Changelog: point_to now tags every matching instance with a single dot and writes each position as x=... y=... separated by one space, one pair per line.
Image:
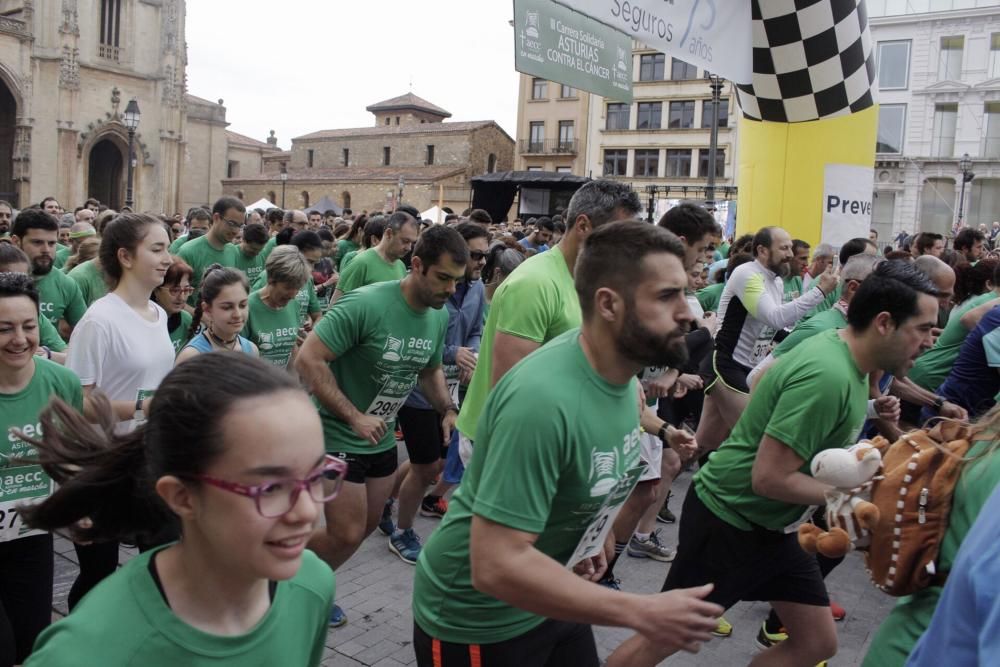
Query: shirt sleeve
x=352 y=277
x=342 y=326
x=475 y=335
x=313 y=300
x=438 y=355
x=49 y=336
x=75 y=307
x=800 y=403
x=525 y=310
x=522 y=463
x=87 y=352
x=773 y=313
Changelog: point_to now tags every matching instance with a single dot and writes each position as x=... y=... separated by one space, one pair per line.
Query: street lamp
x=715 y=83
x=284 y=180
x=401 y=184
x=131 y=121
x=965 y=166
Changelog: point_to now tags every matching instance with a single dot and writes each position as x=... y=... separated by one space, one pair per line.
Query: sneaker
x=766 y=640
x=385 y=524
x=337 y=617
x=435 y=510
x=665 y=515
x=723 y=628
x=406 y=545
x=650 y=548
x=611 y=582
x=839 y=613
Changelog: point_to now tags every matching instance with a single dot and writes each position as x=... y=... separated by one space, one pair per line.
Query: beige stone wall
x=384 y=118
x=488 y=141
x=205 y=155
x=409 y=150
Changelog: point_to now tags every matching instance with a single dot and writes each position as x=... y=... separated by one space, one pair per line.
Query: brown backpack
x=913 y=496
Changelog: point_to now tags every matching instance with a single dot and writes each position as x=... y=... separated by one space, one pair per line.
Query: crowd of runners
x=231 y=392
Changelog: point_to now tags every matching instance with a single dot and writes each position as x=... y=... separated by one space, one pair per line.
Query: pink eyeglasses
x=277 y=498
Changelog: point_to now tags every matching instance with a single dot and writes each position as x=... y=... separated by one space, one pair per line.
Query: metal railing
x=549 y=147
x=109 y=52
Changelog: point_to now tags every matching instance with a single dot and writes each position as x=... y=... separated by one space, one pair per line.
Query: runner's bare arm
x=507 y=566
x=123 y=410
x=313 y=365
x=434 y=387
x=507 y=351
x=776 y=475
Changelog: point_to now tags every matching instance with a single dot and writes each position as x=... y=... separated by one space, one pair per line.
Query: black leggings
x=551 y=644
x=25 y=595
x=97 y=561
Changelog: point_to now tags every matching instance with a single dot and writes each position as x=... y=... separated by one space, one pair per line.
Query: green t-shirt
x=179 y=336
x=178 y=243
x=62 y=254
x=126 y=622
x=90 y=280
x=537 y=302
x=368 y=268
x=793 y=288
x=348 y=258
x=910 y=617
x=933 y=366
x=826 y=303
x=274 y=332
x=710 y=296
x=252 y=267
x=723 y=249
x=305 y=297
x=60 y=298
x=828 y=319
x=49 y=336
x=813 y=398
x=200 y=255
x=553 y=440
x=271 y=244
x=24 y=482
x=345 y=247
x=381 y=345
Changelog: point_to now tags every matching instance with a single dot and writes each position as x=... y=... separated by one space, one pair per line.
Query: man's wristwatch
x=663 y=433
x=938 y=402
x=139 y=415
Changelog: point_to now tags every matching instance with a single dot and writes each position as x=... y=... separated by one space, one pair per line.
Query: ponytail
x=102 y=476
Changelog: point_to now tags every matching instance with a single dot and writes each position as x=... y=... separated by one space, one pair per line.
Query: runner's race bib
x=592 y=542
x=391 y=397
x=762 y=346
x=19 y=486
x=451 y=379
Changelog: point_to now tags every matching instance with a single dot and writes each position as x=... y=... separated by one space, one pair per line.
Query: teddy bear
x=849 y=514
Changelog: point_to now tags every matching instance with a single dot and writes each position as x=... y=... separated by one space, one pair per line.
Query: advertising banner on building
x=555 y=43
x=711 y=34
x=847 y=203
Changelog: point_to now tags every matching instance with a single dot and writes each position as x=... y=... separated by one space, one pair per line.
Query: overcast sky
x=300 y=66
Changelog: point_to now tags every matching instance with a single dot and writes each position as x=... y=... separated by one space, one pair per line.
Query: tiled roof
x=343 y=174
x=380 y=130
x=408 y=101
x=244 y=140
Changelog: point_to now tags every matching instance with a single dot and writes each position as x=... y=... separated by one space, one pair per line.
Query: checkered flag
x=812 y=59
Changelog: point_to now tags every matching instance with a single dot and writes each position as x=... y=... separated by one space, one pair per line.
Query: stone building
x=68 y=69
x=408 y=148
x=939 y=100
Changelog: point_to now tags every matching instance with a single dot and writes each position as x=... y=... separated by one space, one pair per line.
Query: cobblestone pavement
x=374 y=589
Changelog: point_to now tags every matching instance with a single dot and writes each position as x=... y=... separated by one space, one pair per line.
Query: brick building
x=409 y=146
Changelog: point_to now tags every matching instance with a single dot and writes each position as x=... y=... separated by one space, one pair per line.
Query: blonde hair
x=286 y=264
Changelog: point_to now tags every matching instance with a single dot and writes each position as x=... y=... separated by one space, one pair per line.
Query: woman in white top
x=122 y=347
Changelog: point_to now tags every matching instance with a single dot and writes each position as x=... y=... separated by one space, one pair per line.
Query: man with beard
x=36 y=233
x=750 y=313
x=6 y=213
x=216 y=246
x=507 y=577
x=739 y=523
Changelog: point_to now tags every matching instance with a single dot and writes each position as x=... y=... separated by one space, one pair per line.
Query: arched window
x=345 y=196
x=491 y=163
x=271 y=197
x=305 y=199
x=239 y=195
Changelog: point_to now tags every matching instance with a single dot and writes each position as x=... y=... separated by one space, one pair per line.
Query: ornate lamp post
x=131 y=120
x=965 y=166
x=715 y=83
x=284 y=181
x=401 y=184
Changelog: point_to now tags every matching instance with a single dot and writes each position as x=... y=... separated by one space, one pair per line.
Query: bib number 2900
x=385 y=407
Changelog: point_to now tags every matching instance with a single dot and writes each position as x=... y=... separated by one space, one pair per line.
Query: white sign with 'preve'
x=711 y=34
x=847 y=203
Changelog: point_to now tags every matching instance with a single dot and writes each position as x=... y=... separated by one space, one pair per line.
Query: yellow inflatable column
x=811 y=107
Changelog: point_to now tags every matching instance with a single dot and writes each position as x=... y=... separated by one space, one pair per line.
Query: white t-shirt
x=119 y=352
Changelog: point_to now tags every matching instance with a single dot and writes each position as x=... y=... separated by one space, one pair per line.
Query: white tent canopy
x=261 y=203
x=434 y=214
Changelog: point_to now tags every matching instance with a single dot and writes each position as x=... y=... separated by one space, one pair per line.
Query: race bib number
x=22 y=485
x=762 y=346
x=390 y=398
x=451 y=379
x=592 y=542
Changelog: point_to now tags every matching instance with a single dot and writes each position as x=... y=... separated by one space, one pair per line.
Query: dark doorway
x=8 y=123
x=104 y=181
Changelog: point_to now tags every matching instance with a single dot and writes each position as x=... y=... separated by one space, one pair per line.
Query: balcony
x=550 y=147
x=109 y=52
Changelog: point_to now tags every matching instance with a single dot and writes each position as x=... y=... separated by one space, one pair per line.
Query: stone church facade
x=68 y=69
